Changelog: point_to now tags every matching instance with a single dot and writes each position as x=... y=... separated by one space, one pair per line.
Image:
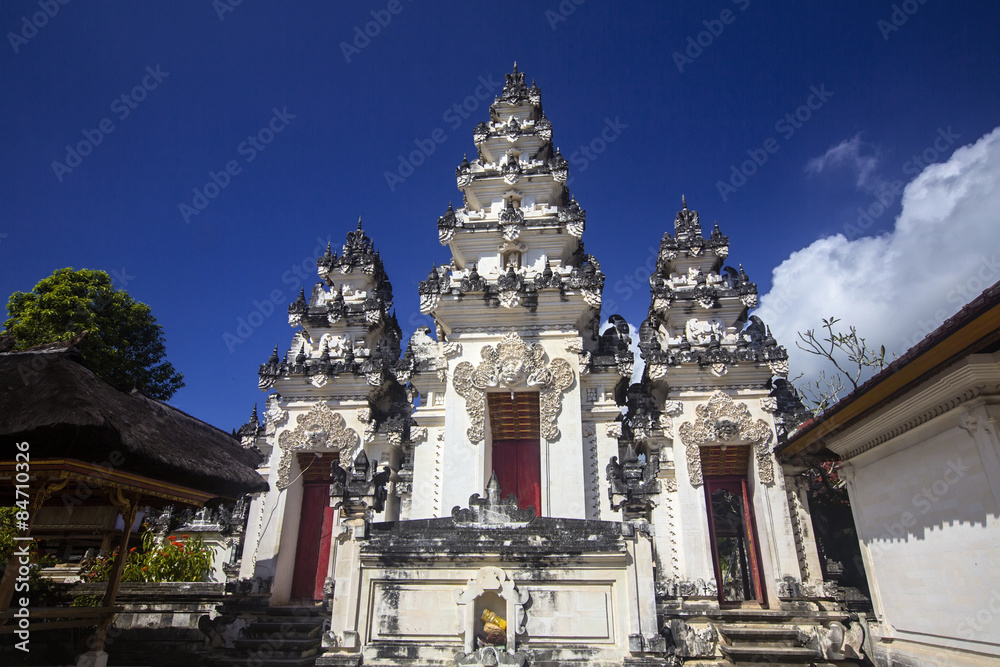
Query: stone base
x=339 y=659
x=92 y=659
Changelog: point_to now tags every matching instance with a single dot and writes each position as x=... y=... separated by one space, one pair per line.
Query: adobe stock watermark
x=924 y=501
x=900 y=14
x=381 y=18
x=249 y=148
x=277 y=300
x=985 y=273
x=636 y=282
x=30 y=25
x=581 y=158
x=696 y=44
x=982 y=619
x=122 y=107
x=562 y=12
x=786 y=126
x=223 y=7
x=454 y=116
x=886 y=194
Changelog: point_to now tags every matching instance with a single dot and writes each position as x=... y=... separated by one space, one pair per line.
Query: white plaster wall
x=928 y=523
x=465 y=465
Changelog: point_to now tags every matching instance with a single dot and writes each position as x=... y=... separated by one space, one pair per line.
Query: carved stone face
x=726 y=431
x=316 y=436
x=511 y=371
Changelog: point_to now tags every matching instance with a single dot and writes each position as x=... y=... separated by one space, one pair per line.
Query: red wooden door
x=518 y=466
x=733 y=533
x=312 y=552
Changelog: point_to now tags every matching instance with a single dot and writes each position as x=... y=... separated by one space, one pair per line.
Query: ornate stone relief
x=511 y=364
x=318 y=430
x=692 y=643
x=496 y=580
x=723 y=421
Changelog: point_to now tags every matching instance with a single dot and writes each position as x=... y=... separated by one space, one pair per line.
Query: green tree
x=124 y=344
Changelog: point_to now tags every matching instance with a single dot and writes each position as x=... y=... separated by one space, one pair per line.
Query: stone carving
x=686 y=588
x=492 y=510
x=318 y=430
x=632 y=483
x=692 y=643
x=790 y=587
x=703 y=332
x=836 y=642
x=497 y=580
x=511 y=364
x=359 y=490
x=723 y=421
x=274 y=415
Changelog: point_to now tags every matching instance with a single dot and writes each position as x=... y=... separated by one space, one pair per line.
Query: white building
x=665 y=534
x=922 y=464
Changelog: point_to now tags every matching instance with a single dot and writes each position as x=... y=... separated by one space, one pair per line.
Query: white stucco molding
x=511 y=364
x=723 y=421
x=318 y=430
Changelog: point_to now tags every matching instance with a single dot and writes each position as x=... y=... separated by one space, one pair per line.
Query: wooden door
x=516 y=442
x=518 y=466
x=312 y=552
x=733 y=534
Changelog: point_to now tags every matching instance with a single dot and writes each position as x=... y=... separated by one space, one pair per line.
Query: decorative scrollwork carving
x=513 y=363
x=321 y=429
x=724 y=421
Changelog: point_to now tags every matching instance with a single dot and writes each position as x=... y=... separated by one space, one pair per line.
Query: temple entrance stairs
x=771 y=637
x=288 y=636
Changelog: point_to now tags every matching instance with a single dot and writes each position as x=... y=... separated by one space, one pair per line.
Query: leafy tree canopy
x=124 y=344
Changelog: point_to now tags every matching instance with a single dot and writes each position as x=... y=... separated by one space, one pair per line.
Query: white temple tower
x=531 y=507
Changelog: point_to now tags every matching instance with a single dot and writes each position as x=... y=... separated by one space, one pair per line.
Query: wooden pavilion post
x=129 y=507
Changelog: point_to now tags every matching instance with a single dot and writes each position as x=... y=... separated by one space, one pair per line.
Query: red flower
x=172 y=538
x=132 y=550
x=184 y=536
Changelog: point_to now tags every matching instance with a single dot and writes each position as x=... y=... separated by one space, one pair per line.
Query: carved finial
x=493 y=486
x=684 y=202
x=273 y=360
x=253 y=415
x=515 y=67
x=359 y=223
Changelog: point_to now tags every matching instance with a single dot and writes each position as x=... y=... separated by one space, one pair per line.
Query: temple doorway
x=514 y=426
x=312 y=552
x=732 y=529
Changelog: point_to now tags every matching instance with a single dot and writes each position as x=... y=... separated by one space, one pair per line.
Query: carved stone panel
x=513 y=363
x=318 y=430
x=726 y=422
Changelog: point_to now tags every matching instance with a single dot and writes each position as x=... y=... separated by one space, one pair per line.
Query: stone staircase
x=773 y=644
x=271 y=636
x=769 y=637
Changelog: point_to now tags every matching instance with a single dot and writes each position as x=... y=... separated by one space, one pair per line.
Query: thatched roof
x=49 y=399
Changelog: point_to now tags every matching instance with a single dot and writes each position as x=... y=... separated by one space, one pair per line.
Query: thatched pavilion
x=91 y=445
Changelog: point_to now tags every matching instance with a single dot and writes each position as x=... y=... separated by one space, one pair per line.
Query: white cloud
x=853 y=154
x=897 y=287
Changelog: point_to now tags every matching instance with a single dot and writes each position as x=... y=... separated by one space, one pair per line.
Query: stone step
x=297 y=610
x=286 y=628
x=279 y=644
x=757 y=635
x=243 y=661
x=769 y=655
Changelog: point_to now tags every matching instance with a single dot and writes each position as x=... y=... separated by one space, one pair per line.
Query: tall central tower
x=517 y=376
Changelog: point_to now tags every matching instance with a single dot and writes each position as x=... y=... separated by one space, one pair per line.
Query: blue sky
x=833 y=99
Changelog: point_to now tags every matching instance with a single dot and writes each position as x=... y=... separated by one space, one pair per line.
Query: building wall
x=926 y=510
